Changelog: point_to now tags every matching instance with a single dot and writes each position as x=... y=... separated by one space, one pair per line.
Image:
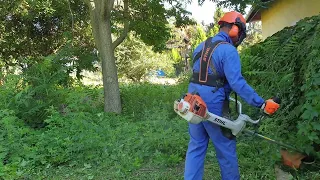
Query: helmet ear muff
x=234 y=31
x=241 y=31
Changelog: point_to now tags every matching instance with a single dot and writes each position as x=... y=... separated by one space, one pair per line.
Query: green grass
x=147 y=141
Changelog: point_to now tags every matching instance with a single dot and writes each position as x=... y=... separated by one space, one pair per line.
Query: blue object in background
x=161 y=73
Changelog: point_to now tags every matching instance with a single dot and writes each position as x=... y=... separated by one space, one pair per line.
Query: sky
x=202 y=13
x=205 y=12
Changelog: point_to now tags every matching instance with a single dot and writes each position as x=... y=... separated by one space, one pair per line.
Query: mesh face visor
x=242 y=31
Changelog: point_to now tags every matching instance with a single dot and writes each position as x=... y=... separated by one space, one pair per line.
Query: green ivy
x=287 y=64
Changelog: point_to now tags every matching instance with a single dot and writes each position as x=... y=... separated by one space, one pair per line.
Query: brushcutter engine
x=192 y=108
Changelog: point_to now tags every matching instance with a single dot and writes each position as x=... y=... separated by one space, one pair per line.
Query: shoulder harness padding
x=205 y=56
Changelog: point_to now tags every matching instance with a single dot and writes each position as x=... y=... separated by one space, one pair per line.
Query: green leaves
x=316 y=126
x=149 y=20
x=291 y=57
x=135 y=60
x=309 y=112
x=35 y=29
x=238 y=5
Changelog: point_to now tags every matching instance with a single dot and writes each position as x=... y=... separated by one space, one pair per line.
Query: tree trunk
x=101 y=27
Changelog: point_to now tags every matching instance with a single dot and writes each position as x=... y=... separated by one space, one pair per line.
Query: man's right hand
x=270 y=107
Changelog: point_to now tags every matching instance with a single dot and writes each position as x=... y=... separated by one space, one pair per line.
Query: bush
x=33 y=91
x=82 y=134
x=287 y=64
x=139 y=99
x=135 y=60
x=42 y=86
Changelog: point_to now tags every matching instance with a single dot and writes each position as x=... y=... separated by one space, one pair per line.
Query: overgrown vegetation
x=135 y=60
x=53 y=127
x=288 y=65
x=78 y=135
x=148 y=141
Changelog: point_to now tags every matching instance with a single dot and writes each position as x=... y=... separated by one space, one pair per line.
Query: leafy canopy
x=31 y=30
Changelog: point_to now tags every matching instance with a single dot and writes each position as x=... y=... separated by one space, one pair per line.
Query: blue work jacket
x=227 y=64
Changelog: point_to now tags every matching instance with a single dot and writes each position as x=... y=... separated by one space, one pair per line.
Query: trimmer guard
x=292 y=160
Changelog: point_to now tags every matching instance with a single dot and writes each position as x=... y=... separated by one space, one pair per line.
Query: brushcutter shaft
x=252 y=133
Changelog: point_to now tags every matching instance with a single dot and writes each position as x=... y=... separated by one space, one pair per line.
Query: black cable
x=236 y=98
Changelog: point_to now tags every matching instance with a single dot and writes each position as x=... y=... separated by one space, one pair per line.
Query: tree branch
x=104 y=12
x=72 y=21
x=110 y=5
x=125 y=31
x=99 y=7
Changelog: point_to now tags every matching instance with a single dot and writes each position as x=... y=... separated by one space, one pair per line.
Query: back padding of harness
x=205 y=56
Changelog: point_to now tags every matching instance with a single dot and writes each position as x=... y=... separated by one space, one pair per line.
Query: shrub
x=287 y=64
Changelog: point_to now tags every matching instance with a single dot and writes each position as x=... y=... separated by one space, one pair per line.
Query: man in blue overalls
x=217 y=71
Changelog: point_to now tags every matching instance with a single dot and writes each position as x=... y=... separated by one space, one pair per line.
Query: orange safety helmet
x=238 y=22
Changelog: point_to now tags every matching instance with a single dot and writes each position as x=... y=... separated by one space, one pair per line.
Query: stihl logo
x=205 y=57
x=219 y=121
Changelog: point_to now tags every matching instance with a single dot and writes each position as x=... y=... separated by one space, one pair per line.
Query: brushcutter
x=192 y=108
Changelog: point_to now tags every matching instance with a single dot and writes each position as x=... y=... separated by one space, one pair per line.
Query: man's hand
x=270 y=107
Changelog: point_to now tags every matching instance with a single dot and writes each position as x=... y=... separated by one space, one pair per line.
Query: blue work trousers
x=225 y=151
x=199 y=139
